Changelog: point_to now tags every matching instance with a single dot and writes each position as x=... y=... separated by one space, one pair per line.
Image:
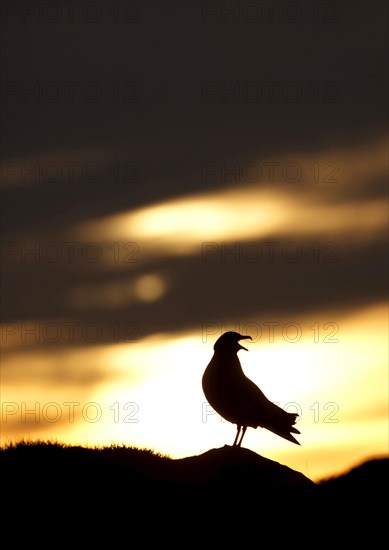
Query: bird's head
x=229 y=341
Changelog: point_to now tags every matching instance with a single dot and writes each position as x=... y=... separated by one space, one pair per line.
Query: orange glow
x=250 y=211
x=154 y=399
x=181 y=226
x=147 y=392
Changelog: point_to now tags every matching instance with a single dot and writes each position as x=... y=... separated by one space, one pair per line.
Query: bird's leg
x=237 y=435
x=241 y=437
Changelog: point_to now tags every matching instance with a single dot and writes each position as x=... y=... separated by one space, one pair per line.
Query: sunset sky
x=174 y=170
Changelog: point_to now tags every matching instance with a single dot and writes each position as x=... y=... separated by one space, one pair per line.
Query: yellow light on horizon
x=150 y=393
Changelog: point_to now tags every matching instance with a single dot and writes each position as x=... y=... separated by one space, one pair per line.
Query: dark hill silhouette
x=111 y=491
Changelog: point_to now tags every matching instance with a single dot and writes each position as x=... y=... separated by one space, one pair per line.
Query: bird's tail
x=293 y=418
x=281 y=423
x=285 y=434
x=290 y=437
x=285 y=427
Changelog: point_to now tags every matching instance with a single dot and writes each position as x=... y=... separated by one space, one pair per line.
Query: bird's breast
x=223 y=384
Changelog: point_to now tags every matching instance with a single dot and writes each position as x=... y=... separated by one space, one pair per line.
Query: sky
x=173 y=170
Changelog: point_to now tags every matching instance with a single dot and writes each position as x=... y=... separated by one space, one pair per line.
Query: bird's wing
x=256 y=402
x=267 y=414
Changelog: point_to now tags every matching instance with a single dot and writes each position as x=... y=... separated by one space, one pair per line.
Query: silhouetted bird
x=236 y=398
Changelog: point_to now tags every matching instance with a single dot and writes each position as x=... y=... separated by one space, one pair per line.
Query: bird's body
x=236 y=398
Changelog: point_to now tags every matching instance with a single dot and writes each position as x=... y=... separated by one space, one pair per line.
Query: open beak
x=244 y=338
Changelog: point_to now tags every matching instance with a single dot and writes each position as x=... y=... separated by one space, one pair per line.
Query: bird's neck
x=229 y=361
